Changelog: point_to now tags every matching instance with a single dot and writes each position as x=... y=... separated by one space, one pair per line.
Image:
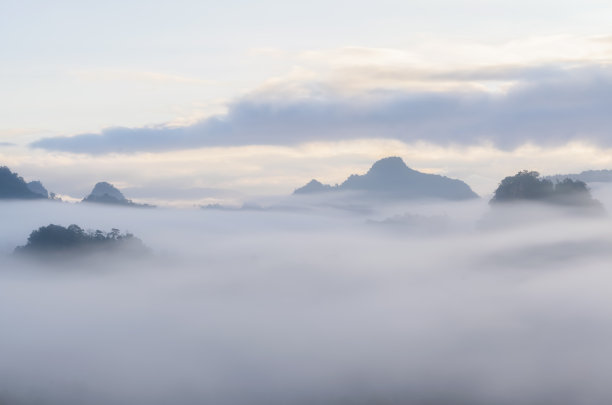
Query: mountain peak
x=314 y=186
x=106 y=193
x=392 y=178
x=103 y=188
x=37 y=188
x=392 y=164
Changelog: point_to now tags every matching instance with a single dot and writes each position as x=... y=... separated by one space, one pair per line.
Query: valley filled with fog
x=313 y=302
x=305 y=203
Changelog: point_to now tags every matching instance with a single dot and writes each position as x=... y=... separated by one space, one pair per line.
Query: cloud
x=546 y=106
x=310 y=307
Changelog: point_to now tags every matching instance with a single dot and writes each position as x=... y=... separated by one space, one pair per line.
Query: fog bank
x=316 y=306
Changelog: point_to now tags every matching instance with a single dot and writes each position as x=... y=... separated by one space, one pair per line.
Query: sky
x=312 y=300
x=190 y=101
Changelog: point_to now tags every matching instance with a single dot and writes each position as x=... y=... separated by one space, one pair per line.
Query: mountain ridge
x=13 y=186
x=391 y=177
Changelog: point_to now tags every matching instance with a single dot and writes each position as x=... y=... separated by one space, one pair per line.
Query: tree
x=525 y=185
x=56 y=239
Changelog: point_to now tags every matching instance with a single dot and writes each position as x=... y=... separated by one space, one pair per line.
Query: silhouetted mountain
x=38 y=188
x=528 y=186
x=391 y=178
x=313 y=186
x=106 y=193
x=587 y=176
x=60 y=242
x=13 y=186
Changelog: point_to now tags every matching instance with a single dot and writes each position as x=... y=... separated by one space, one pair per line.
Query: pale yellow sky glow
x=255 y=171
x=175 y=66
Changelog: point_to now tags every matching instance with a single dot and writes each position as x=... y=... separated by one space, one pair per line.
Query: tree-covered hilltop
x=58 y=240
x=12 y=186
x=528 y=186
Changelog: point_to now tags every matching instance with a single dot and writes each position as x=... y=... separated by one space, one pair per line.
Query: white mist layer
x=314 y=307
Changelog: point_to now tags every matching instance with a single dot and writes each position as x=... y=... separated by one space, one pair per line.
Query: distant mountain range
x=12 y=186
x=388 y=178
x=588 y=176
x=391 y=178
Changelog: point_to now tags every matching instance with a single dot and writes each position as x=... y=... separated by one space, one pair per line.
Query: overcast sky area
x=258 y=98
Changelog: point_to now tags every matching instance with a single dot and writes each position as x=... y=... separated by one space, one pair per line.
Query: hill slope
x=14 y=187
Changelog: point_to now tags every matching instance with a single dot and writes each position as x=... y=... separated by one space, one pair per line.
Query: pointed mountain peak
x=103 y=188
x=314 y=186
x=106 y=193
x=392 y=163
x=389 y=167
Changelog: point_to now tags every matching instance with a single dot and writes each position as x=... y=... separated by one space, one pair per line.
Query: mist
x=423 y=303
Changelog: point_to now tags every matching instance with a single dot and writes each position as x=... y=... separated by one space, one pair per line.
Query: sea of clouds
x=415 y=303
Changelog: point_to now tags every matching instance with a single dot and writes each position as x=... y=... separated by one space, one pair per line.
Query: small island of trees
x=528 y=186
x=56 y=240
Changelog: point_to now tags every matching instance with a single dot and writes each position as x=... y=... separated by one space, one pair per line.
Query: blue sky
x=338 y=82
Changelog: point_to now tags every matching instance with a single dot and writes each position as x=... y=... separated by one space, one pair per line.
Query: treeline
x=528 y=186
x=56 y=239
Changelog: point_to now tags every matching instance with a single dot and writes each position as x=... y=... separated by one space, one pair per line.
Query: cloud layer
x=312 y=307
x=544 y=105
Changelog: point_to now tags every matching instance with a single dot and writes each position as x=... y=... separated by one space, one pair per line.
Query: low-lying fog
x=440 y=303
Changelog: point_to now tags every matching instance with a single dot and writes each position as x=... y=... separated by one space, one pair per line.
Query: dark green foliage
x=569 y=186
x=56 y=239
x=13 y=186
x=525 y=185
x=528 y=186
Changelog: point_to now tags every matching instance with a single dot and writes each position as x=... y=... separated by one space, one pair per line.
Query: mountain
x=38 y=188
x=391 y=178
x=106 y=193
x=587 y=176
x=313 y=186
x=14 y=187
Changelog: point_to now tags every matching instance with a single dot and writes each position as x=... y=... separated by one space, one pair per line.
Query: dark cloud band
x=564 y=105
